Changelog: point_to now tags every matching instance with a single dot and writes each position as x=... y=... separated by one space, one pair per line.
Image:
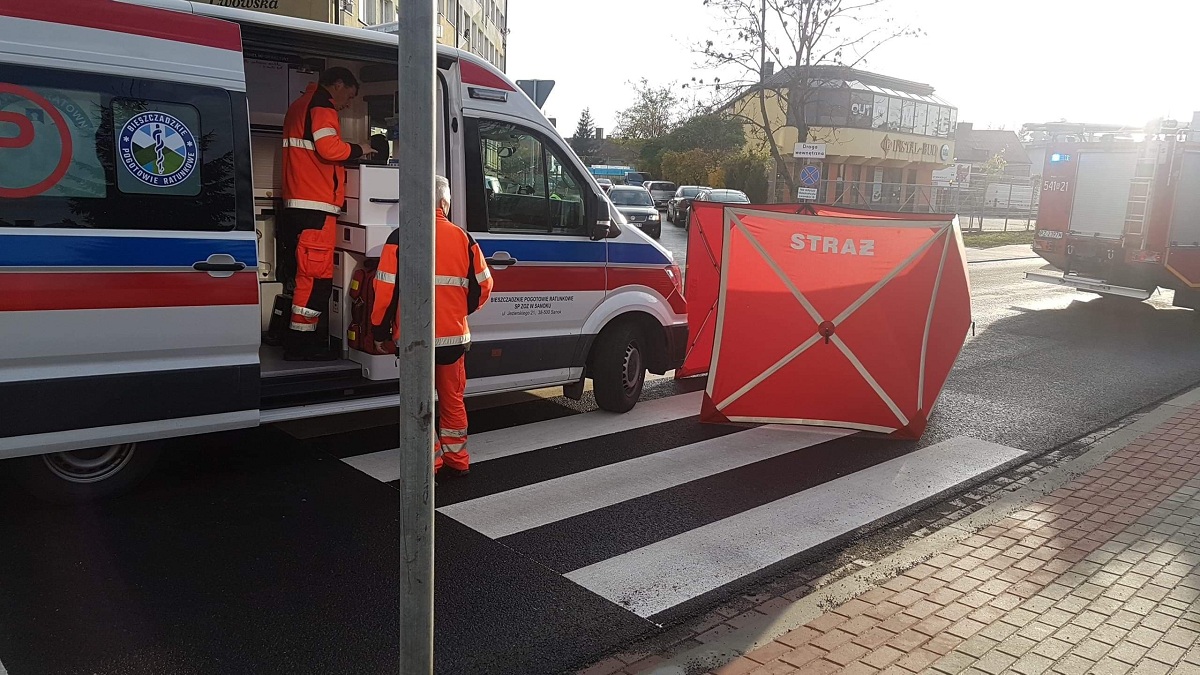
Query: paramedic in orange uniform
x=462 y=283
x=314 y=190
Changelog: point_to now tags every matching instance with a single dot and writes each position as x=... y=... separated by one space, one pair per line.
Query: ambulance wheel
x=85 y=475
x=618 y=367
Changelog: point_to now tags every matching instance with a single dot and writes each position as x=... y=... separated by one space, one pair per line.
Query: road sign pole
x=417 y=139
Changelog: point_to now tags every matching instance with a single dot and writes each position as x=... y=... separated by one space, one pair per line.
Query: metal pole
x=417 y=140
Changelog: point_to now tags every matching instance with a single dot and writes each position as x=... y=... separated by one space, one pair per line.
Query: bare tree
x=806 y=33
x=653 y=114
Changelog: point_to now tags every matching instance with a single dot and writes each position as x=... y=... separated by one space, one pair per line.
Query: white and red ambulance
x=139 y=178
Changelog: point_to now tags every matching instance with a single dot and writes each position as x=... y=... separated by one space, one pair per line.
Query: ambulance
x=140 y=153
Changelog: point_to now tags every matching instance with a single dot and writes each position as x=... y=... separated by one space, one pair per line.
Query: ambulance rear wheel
x=85 y=475
x=618 y=367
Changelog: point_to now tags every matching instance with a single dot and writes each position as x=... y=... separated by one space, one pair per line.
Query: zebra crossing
x=652 y=510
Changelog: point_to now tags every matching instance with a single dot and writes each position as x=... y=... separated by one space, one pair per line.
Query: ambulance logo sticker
x=158 y=149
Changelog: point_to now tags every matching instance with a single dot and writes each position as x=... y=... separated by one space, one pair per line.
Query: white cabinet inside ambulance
x=139 y=186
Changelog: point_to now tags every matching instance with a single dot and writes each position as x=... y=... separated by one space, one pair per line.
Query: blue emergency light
x=1058 y=157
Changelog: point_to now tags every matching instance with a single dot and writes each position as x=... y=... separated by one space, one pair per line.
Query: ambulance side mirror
x=605 y=225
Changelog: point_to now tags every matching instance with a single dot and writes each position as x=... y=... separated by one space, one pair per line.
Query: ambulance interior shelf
x=372 y=212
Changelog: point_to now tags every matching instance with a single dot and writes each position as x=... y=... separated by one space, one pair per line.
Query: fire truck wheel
x=618 y=367
x=85 y=475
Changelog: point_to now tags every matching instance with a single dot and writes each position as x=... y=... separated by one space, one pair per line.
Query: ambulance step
x=1090 y=285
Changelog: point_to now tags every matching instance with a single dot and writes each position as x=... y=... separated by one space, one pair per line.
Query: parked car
x=678 y=205
x=661 y=190
x=605 y=184
x=723 y=196
x=636 y=177
x=637 y=206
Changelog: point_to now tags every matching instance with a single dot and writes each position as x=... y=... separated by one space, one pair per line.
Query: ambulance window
x=526 y=185
x=105 y=152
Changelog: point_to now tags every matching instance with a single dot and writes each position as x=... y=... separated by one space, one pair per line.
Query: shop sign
x=917 y=151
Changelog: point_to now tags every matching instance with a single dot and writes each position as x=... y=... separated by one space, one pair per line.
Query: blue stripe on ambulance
x=40 y=250
x=558 y=251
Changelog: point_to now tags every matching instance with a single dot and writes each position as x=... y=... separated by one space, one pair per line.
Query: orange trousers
x=451 y=447
x=314 y=275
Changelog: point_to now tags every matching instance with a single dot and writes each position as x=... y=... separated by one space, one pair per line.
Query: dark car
x=636 y=204
x=677 y=206
x=723 y=196
x=636 y=178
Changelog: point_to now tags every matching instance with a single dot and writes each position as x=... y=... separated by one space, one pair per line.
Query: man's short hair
x=332 y=76
x=441 y=190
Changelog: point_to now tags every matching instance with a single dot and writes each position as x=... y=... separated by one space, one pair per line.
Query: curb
x=759 y=632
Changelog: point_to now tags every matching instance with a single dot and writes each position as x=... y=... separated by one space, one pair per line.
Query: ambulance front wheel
x=85 y=475
x=618 y=367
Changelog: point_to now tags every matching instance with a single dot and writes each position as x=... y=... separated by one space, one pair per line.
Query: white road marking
x=535 y=505
x=2 y=670
x=659 y=576
x=385 y=464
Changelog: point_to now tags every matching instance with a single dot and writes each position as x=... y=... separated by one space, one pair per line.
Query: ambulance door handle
x=500 y=259
x=219 y=265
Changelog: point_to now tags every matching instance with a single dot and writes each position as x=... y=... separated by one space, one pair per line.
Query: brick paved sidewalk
x=1100 y=576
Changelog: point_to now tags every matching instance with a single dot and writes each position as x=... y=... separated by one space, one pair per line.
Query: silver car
x=661 y=191
x=638 y=208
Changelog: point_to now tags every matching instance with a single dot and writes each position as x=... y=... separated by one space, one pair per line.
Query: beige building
x=882 y=137
x=478 y=26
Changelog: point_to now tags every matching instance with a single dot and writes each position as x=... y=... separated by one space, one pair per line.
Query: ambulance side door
x=528 y=207
x=127 y=258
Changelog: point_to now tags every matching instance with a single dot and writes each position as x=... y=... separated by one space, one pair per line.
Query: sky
x=1002 y=63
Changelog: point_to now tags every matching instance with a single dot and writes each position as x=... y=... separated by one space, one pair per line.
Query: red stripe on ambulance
x=37 y=291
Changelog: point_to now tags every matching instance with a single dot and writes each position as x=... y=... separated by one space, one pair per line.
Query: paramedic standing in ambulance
x=314 y=190
x=462 y=283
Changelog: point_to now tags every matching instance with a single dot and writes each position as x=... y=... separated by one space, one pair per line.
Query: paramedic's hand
x=367 y=150
x=379 y=347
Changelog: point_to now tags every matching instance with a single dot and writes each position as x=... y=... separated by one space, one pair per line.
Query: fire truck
x=1122 y=218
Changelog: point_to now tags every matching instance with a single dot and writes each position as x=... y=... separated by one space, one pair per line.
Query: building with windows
x=881 y=137
x=478 y=26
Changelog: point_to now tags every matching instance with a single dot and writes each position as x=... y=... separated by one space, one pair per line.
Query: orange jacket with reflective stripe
x=313 y=152
x=462 y=283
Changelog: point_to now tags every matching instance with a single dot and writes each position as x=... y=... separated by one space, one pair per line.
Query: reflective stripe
x=443 y=280
x=385 y=277
x=484 y=275
x=304 y=311
x=455 y=448
x=438 y=452
x=452 y=433
x=322 y=133
x=451 y=341
x=312 y=205
x=303 y=327
x=298 y=143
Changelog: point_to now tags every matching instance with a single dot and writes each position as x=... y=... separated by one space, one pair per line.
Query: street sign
x=537 y=90
x=806 y=193
x=809 y=151
x=810 y=176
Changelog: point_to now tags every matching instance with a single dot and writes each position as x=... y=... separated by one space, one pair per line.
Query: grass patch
x=991 y=239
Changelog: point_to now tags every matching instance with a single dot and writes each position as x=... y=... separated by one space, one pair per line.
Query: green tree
x=747 y=172
x=708 y=131
x=583 y=142
x=653 y=113
x=688 y=168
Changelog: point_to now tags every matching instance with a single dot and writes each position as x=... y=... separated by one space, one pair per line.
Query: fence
x=1003 y=205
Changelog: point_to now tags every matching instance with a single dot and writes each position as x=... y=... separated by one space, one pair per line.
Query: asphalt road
x=274 y=550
